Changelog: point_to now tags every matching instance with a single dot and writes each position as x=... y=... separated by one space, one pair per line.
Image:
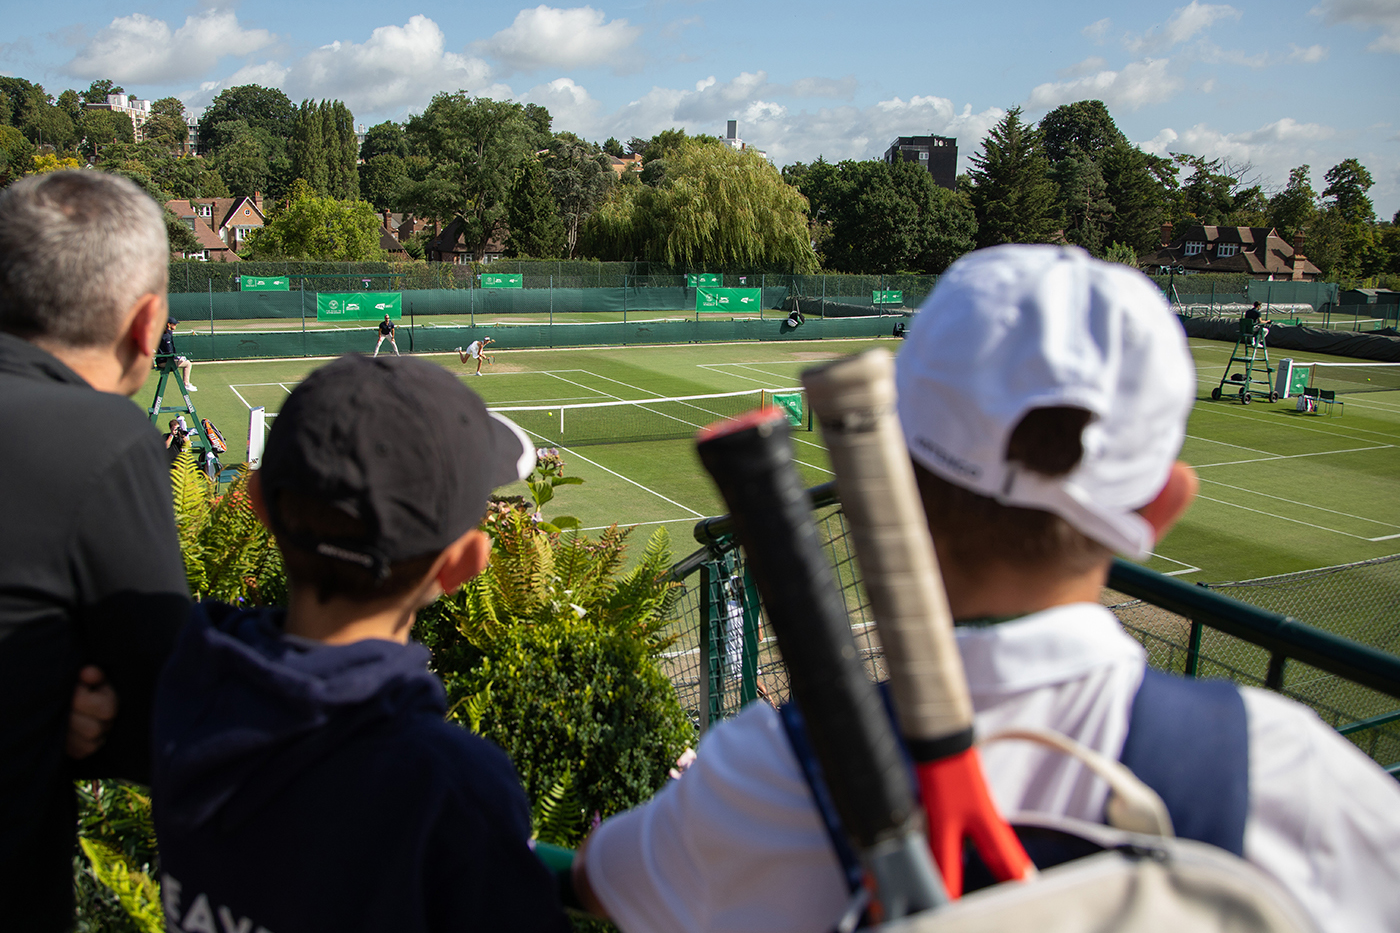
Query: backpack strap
x=796 y=730
x=1189 y=741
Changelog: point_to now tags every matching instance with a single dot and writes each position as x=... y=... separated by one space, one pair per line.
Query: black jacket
x=90 y=571
x=303 y=786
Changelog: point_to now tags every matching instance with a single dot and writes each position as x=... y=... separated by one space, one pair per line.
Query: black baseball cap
x=398 y=443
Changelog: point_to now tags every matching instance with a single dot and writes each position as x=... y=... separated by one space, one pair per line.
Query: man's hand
x=90 y=718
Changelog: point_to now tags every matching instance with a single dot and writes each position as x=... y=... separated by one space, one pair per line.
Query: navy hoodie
x=301 y=786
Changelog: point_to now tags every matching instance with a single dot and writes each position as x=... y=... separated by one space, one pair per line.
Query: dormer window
x=1195 y=248
x=1226 y=250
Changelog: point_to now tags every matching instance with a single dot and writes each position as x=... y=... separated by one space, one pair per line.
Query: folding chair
x=1329 y=398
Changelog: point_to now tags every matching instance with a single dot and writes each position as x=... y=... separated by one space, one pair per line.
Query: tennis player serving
x=476 y=350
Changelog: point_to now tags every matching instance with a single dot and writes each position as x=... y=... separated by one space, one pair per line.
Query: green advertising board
x=703 y=280
x=728 y=299
x=502 y=280
x=887 y=298
x=264 y=283
x=358 y=306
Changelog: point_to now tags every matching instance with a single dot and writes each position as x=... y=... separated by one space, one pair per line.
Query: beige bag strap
x=1132 y=805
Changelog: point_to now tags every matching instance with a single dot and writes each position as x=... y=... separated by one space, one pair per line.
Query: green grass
x=1280 y=491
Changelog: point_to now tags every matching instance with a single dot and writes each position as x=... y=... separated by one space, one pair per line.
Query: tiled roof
x=1260 y=252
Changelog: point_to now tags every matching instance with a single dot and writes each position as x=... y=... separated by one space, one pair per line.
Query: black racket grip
x=772 y=519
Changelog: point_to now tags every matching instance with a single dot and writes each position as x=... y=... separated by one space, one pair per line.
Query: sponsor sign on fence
x=703 y=280
x=358 y=306
x=502 y=280
x=264 y=283
x=887 y=298
x=728 y=299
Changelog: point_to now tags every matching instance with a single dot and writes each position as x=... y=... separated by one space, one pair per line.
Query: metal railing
x=723 y=659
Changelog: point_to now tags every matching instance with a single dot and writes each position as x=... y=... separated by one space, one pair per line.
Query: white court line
x=1298 y=521
x=665 y=521
x=1305 y=505
x=574 y=453
x=1224 y=412
x=1207 y=440
x=722 y=370
x=241 y=398
x=1320 y=453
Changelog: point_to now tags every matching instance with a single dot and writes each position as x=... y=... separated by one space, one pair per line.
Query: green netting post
x=211 y=319
x=302 y=290
x=1193 y=651
x=551 y=301
x=1212 y=296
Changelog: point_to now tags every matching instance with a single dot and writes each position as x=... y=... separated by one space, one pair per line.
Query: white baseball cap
x=1014 y=328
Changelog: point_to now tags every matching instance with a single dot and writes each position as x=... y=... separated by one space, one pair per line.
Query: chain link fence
x=724 y=657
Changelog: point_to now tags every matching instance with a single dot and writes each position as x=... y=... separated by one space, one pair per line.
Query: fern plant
x=135 y=891
x=229 y=554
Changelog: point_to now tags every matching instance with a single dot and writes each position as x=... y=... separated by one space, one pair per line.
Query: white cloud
x=1307 y=56
x=1184 y=24
x=1213 y=54
x=1383 y=15
x=1097 y=30
x=1087 y=67
x=1137 y=84
x=140 y=49
x=569 y=104
x=546 y=37
x=1271 y=150
x=397 y=69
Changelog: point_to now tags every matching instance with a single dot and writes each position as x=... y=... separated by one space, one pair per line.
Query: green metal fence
x=1337 y=661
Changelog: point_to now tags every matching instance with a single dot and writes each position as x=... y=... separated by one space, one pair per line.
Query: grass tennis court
x=1280 y=490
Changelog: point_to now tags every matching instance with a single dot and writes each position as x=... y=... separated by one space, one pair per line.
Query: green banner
x=887 y=298
x=791 y=403
x=728 y=299
x=259 y=283
x=502 y=280
x=703 y=280
x=358 y=306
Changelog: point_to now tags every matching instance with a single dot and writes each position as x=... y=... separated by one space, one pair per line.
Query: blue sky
x=1272 y=85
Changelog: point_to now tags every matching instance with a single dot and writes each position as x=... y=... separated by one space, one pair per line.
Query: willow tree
x=716 y=208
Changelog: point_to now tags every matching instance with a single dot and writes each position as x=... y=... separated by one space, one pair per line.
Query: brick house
x=1259 y=252
x=228 y=220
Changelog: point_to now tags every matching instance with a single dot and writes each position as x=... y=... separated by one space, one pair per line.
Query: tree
x=98 y=90
x=533 y=217
x=260 y=108
x=716 y=208
x=1137 y=194
x=1293 y=208
x=382 y=178
x=1081 y=128
x=104 y=127
x=1084 y=203
x=342 y=148
x=580 y=180
x=166 y=124
x=888 y=218
x=319 y=229
x=1347 y=184
x=307 y=149
x=242 y=161
x=475 y=147
x=614 y=148
x=1012 y=194
x=16 y=154
x=385 y=138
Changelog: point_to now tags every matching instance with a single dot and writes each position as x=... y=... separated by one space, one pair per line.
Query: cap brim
x=515 y=453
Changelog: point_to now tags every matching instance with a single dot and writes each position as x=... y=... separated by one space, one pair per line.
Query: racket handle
x=854 y=400
x=751 y=462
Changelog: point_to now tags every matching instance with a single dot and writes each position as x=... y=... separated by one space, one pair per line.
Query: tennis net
x=624 y=422
x=1345 y=378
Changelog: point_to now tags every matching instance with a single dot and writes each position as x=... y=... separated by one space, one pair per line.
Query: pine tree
x=1012 y=192
x=533 y=216
x=308 y=148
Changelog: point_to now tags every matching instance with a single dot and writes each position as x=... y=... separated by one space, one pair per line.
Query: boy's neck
x=1002 y=590
x=343 y=621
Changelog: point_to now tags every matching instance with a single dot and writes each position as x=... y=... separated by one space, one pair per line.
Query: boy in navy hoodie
x=305 y=778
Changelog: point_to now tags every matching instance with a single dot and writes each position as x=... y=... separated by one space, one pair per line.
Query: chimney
x=1298 y=258
x=1167 y=234
x=732 y=131
x=257 y=201
x=388 y=223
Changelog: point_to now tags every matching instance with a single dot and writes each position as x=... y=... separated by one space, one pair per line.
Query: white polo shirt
x=737 y=845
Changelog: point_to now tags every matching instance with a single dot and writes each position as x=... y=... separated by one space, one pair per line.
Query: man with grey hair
x=92 y=585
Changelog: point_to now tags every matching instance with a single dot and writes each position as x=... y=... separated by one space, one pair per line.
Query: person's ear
x=463 y=559
x=256 y=499
x=136 y=344
x=1171 y=503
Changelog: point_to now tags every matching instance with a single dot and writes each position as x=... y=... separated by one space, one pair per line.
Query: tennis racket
x=854 y=400
x=751 y=462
